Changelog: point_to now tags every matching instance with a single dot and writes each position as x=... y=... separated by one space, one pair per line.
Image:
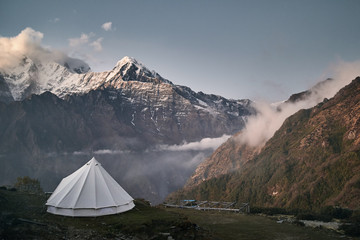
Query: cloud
x=55 y=20
x=83 y=39
x=12 y=50
x=80 y=153
x=28 y=44
x=270 y=117
x=107 y=26
x=262 y=127
x=86 y=40
x=111 y=152
x=97 y=44
x=203 y=144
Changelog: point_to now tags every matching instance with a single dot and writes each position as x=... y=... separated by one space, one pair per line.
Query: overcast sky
x=238 y=49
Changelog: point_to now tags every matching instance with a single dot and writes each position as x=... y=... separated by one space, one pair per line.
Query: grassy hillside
x=312 y=161
x=24 y=216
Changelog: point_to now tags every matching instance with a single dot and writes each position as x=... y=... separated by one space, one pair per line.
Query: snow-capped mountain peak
x=126 y=60
x=132 y=70
x=126 y=65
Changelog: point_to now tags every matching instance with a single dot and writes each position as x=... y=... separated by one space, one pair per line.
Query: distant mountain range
x=312 y=161
x=54 y=116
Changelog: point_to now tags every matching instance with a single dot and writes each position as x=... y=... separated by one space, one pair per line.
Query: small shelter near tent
x=89 y=192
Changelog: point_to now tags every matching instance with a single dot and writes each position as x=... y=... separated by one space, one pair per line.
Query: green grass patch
x=234 y=226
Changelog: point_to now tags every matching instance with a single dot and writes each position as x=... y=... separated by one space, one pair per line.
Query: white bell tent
x=89 y=192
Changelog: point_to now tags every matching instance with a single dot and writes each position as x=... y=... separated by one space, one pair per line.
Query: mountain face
x=141 y=101
x=312 y=161
x=228 y=157
x=53 y=119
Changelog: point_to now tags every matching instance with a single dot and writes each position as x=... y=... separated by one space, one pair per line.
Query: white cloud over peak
x=27 y=44
x=86 y=40
x=97 y=44
x=107 y=26
x=83 y=39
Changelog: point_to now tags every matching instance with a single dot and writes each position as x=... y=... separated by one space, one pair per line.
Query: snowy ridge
x=130 y=80
x=36 y=77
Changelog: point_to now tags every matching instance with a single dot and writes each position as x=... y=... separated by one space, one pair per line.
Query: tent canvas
x=90 y=191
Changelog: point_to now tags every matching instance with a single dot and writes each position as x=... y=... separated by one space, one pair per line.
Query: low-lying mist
x=150 y=174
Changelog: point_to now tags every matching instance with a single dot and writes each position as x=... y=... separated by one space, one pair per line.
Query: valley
x=130 y=118
x=233 y=106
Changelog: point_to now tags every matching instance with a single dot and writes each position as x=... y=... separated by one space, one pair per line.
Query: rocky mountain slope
x=228 y=157
x=53 y=118
x=312 y=160
x=232 y=155
x=140 y=102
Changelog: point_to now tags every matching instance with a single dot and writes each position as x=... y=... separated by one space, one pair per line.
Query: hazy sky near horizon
x=257 y=49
